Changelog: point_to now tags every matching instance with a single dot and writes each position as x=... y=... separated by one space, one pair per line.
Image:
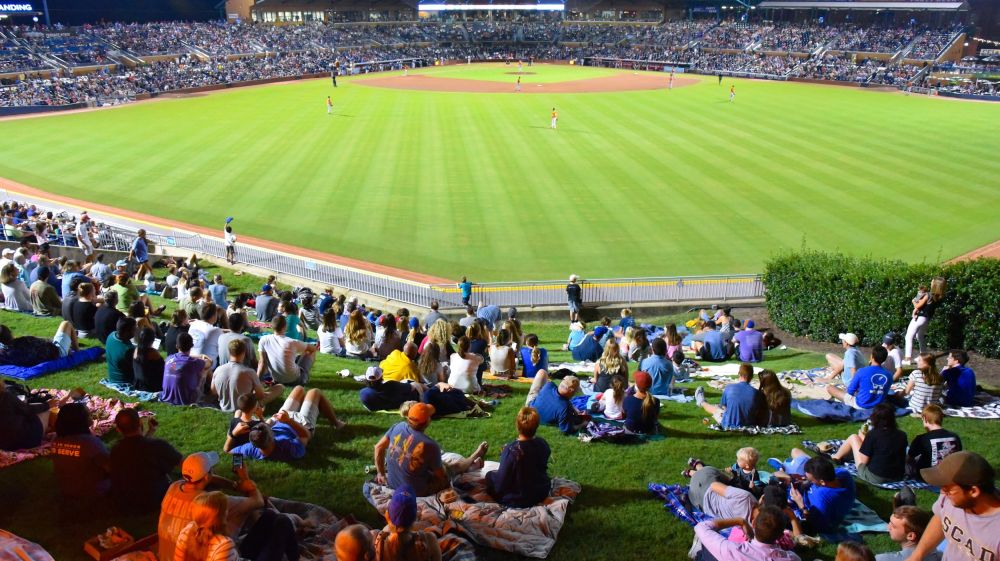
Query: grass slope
x=632 y=183
x=614 y=517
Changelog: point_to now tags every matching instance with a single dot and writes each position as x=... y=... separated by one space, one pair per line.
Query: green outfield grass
x=632 y=183
x=535 y=74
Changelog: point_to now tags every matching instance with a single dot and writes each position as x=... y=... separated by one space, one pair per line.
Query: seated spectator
x=398 y=540
x=827 y=495
x=641 y=408
x=204 y=334
x=400 y=365
x=331 y=337
x=868 y=386
x=960 y=379
x=740 y=405
x=237 y=324
x=309 y=314
x=434 y=315
x=712 y=493
x=386 y=337
x=533 y=357
x=127 y=293
x=929 y=448
x=286 y=434
x=140 y=465
x=906 y=527
x=659 y=368
x=266 y=305
x=553 y=402
x=577 y=333
x=30 y=351
x=100 y=270
x=249 y=413
x=590 y=348
x=407 y=456
x=205 y=537
x=80 y=459
x=354 y=543
x=673 y=339
x=503 y=359
x=479 y=344
x=470 y=317
x=768 y=527
x=288 y=310
x=522 y=480
x=609 y=403
x=83 y=311
x=120 y=352
x=219 y=292
x=611 y=363
x=358 y=336
x=233 y=379
x=23 y=422
x=777 y=410
x=879 y=453
x=853 y=551
x=44 y=300
x=72 y=278
x=386 y=395
x=288 y=361
x=430 y=370
x=147 y=364
x=894 y=361
x=749 y=343
x=184 y=375
x=463 y=366
x=711 y=345
x=843 y=369
x=16 y=296
x=106 y=318
x=924 y=387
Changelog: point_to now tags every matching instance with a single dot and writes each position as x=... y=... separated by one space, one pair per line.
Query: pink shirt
x=725 y=550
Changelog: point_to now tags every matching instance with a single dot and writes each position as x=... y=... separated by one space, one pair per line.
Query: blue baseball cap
x=403 y=507
x=414 y=323
x=600 y=331
x=750 y=324
x=265 y=288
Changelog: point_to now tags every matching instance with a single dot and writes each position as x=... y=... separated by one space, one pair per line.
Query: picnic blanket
x=475 y=413
x=531 y=532
x=63 y=363
x=754 y=430
x=582 y=367
x=614 y=432
x=730 y=370
x=16 y=548
x=317 y=528
x=498 y=391
x=987 y=406
x=102 y=411
x=859 y=520
x=852 y=468
x=129 y=391
x=518 y=380
x=835 y=411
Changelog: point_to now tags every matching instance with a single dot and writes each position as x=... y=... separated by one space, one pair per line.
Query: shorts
x=87 y=250
x=866 y=474
x=796 y=466
x=574 y=306
x=305 y=413
x=851 y=401
x=64 y=342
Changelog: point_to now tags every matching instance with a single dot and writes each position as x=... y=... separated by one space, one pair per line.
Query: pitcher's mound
x=616 y=83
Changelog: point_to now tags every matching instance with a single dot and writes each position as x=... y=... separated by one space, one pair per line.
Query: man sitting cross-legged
x=553 y=402
x=869 y=385
x=407 y=456
x=289 y=361
x=286 y=435
x=740 y=405
x=233 y=379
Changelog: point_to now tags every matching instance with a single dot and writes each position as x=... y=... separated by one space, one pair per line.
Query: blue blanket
x=64 y=363
x=128 y=390
x=836 y=411
x=852 y=468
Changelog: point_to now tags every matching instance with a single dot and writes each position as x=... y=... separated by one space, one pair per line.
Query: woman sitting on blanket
x=610 y=364
x=522 y=480
x=778 y=398
x=673 y=339
x=610 y=402
x=879 y=452
x=503 y=359
x=924 y=387
x=147 y=365
x=398 y=541
x=27 y=351
x=641 y=408
x=533 y=357
x=639 y=349
x=81 y=461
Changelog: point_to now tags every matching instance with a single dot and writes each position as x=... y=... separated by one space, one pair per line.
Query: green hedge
x=819 y=295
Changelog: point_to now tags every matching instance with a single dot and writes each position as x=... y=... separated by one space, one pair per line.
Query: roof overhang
x=905 y=6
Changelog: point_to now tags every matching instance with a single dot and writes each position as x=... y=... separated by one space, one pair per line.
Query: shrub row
x=819 y=295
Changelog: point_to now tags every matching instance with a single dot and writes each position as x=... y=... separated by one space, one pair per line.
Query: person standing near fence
x=230 y=241
x=140 y=254
x=574 y=297
x=925 y=304
x=466 y=287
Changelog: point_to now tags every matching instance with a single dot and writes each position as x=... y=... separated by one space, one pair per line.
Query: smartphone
x=237 y=462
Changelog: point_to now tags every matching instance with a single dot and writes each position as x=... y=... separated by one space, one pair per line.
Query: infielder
x=732 y=93
x=329 y=106
x=555 y=118
x=517 y=86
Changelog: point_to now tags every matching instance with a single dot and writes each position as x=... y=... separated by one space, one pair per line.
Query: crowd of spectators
x=745 y=63
x=840 y=68
x=873 y=39
x=797 y=38
x=929 y=44
x=734 y=35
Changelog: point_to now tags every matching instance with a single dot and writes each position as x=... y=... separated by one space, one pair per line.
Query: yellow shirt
x=398 y=367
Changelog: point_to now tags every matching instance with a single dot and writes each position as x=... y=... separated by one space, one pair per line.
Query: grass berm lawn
x=640 y=183
x=615 y=517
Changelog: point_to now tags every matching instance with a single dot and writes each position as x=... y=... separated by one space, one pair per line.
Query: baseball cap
x=889 y=339
x=600 y=331
x=373 y=373
x=643 y=381
x=197 y=466
x=265 y=288
x=960 y=468
x=750 y=324
x=849 y=338
x=8 y=251
x=421 y=413
x=402 y=509
x=121 y=263
x=414 y=323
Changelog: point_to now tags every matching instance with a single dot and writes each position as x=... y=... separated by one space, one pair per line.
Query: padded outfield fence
x=624 y=291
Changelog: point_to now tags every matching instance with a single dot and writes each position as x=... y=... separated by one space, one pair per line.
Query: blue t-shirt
x=829 y=505
x=466 y=288
x=751 y=345
x=661 y=370
x=625 y=323
x=68 y=279
x=575 y=338
x=522 y=480
x=140 y=250
x=413 y=459
x=490 y=314
x=716 y=343
x=324 y=304
x=634 y=421
x=853 y=361
x=869 y=386
x=286 y=446
x=961 y=381
x=530 y=368
x=219 y=293
x=554 y=409
x=742 y=402
x=588 y=349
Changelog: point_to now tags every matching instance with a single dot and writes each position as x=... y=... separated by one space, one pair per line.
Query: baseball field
x=449 y=171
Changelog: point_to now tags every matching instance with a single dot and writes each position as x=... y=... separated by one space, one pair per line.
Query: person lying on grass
x=29 y=351
x=553 y=402
x=743 y=473
x=285 y=435
x=407 y=456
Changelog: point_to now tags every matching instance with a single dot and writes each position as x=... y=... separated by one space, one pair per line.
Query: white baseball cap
x=198 y=466
x=849 y=338
x=373 y=373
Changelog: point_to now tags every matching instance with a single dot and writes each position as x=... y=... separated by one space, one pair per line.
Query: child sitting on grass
x=743 y=473
x=610 y=403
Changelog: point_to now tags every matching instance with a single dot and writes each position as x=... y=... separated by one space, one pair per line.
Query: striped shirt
x=220 y=548
x=922 y=394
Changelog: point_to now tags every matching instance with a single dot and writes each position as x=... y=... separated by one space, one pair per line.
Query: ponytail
x=647 y=404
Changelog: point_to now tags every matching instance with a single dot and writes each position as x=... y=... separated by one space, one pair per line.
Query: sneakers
x=699 y=396
x=906 y=496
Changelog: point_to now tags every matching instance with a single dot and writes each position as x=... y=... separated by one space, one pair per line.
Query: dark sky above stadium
x=80 y=11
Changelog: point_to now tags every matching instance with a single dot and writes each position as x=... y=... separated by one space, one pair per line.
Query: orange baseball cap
x=420 y=414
